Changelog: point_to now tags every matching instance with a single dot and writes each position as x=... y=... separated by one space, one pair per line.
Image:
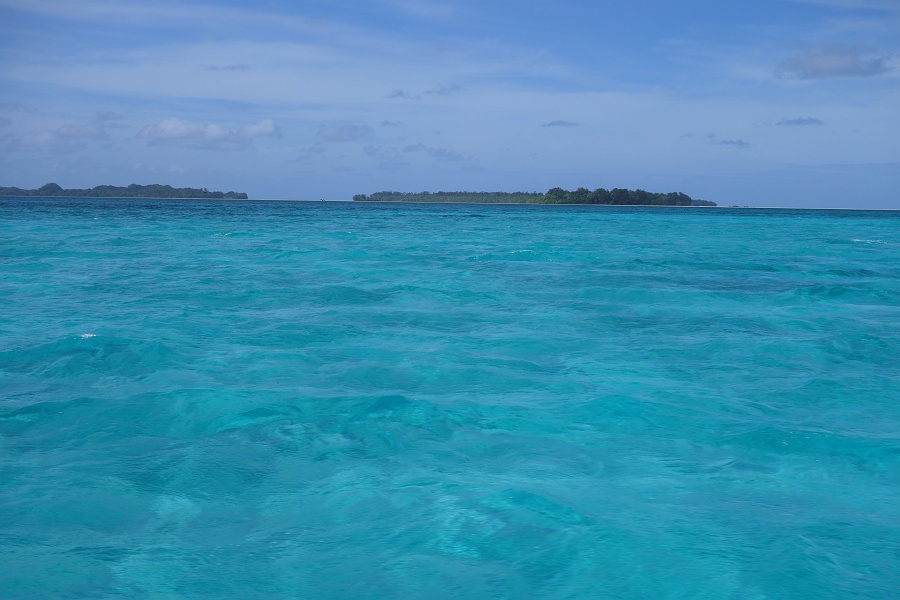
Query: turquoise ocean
x=326 y=400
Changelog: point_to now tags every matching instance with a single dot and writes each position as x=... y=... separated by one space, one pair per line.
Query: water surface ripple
x=335 y=400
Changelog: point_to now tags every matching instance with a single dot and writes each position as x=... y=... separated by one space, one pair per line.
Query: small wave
x=847 y=293
x=342 y=294
x=853 y=272
x=89 y=353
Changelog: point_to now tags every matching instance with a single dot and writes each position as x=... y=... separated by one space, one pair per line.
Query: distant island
x=52 y=190
x=614 y=197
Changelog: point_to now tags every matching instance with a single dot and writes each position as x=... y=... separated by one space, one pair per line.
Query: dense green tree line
x=616 y=196
x=132 y=191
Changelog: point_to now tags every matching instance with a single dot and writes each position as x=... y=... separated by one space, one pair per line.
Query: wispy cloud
x=833 y=60
x=206 y=136
x=345 y=133
x=559 y=123
x=423 y=9
x=389 y=159
x=67 y=138
x=887 y=5
x=445 y=90
x=801 y=121
x=231 y=68
x=437 y=153
x=389 y=123
x=402 y=95
x=109 y=116
x=187 y=15
x=38 y=140
x=734 y=143
x=110 y=120
x=83 y=132
x=51 y=141
x=312 y=151
x=739 y=143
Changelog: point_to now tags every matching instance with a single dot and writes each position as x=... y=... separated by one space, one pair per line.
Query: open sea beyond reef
x=263 y=400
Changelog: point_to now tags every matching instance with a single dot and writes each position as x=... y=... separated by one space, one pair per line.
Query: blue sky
x=764 y=103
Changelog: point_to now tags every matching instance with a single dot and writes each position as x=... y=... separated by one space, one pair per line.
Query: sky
x=759 y=103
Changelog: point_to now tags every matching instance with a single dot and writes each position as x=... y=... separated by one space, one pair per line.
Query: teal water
x=336 y=400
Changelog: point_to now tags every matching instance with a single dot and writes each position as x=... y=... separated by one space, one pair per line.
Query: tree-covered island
x=52 y=190
x=614 y=197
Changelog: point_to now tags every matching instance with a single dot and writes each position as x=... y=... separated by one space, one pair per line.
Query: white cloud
x=212 y=136
x=263 y=128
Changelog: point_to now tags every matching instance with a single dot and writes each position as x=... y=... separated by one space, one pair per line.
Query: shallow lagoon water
x=344 y=400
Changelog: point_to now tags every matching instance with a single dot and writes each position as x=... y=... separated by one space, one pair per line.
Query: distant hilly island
x=614 y=197
x=52 y=190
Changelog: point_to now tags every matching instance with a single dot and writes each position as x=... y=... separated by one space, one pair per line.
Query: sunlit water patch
x=335 y=400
